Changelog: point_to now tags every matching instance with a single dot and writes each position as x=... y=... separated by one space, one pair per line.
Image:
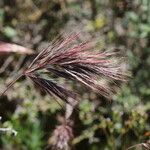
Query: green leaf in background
x=9 y=32
x=1 y=17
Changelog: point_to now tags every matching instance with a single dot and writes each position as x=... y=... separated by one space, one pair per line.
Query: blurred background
x=99 y=124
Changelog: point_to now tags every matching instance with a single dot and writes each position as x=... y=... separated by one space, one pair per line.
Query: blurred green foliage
x=100 y=124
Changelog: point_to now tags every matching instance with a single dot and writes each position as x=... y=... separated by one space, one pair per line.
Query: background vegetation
x=99 y=124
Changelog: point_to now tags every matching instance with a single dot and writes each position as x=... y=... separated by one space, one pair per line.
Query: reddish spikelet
x=62 y=137
x=74 y=60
